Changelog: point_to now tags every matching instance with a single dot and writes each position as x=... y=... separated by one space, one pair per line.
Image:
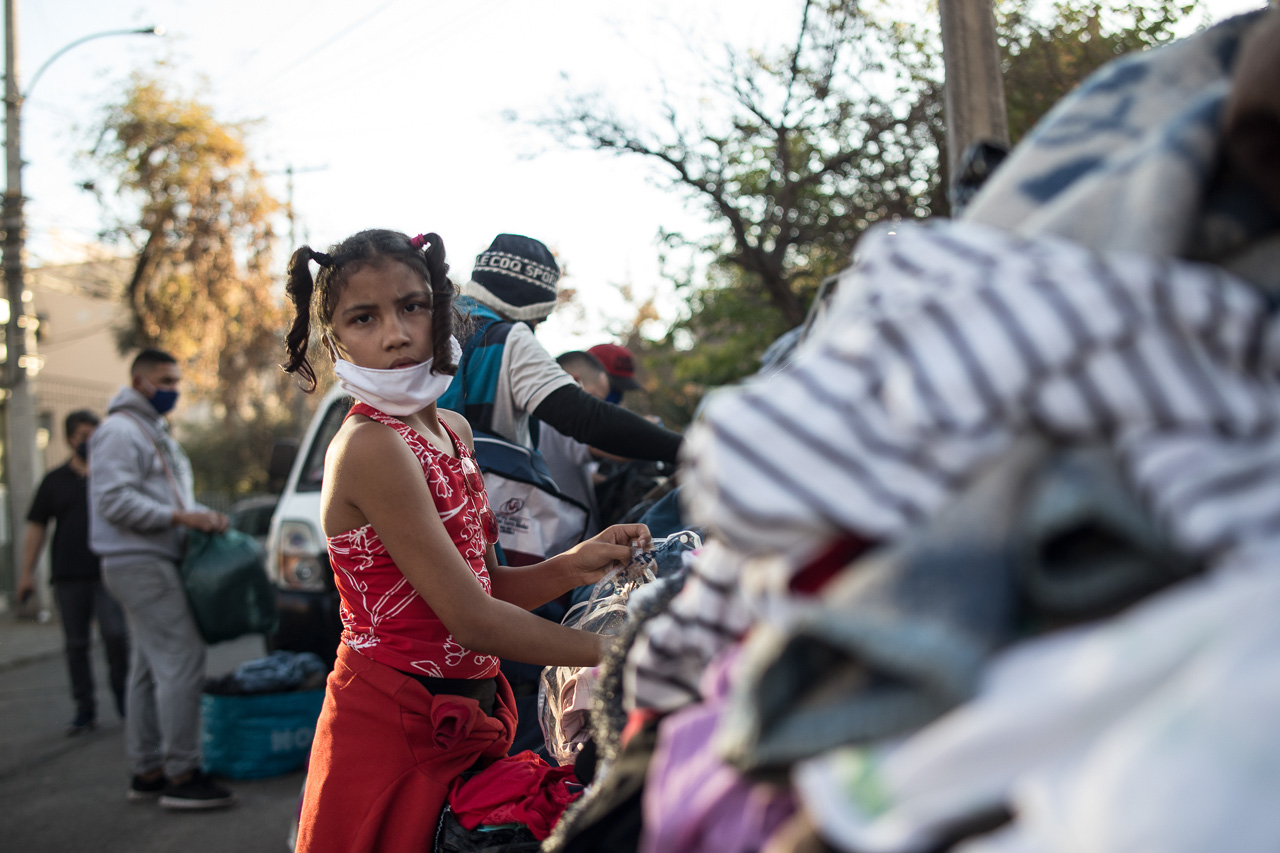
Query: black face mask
x=82 y=450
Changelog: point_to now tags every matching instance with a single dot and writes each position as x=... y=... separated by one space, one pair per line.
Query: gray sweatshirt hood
x=138 y=476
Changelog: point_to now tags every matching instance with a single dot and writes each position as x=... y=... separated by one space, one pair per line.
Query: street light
x=143 y=31
x=20 y=416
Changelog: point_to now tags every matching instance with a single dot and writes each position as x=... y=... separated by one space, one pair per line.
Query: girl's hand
x=610 y=548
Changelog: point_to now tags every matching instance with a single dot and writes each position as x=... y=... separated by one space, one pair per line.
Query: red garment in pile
x=520 y=789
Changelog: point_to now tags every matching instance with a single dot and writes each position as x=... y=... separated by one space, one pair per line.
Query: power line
x=290 y=99
x=330 y=42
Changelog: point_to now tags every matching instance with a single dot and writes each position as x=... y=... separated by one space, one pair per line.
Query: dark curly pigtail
x=442 y=292
x=300 y=287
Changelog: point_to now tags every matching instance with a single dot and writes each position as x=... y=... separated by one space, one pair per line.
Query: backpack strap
x=464 y=404
x=168 y=471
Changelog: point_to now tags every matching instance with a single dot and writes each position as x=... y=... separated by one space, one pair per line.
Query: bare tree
x=794 y=153
x=803 y=150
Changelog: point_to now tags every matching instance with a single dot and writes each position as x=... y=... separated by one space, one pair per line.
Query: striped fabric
x=948 y=340
x=944 y=343
x=671 y=650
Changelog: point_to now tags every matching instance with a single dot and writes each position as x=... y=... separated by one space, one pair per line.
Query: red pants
x=384 y=754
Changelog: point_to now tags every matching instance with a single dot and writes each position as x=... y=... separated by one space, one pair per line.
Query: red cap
x=619 y=363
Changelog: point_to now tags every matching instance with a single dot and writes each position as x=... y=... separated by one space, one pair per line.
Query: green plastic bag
x=227 y=585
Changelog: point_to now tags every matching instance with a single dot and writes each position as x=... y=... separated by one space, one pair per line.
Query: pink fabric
x=383 y=617
x=692 y=800
x=521 y=788
x=575 y=704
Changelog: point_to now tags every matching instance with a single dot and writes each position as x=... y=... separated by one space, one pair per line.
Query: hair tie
x=321 y=258
x=419 y=241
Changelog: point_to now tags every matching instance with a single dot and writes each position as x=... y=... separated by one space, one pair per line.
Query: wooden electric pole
x=289 y=171
x=20 y=450
x=975 y=107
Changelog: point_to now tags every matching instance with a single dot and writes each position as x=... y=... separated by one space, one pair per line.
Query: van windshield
x=312 y=475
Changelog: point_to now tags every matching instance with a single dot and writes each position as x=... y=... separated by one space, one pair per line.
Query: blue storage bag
x=252 y=736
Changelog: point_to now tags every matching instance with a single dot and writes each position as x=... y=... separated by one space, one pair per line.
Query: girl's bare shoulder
x=372 y=477
x=458 y=424
x=364 y=445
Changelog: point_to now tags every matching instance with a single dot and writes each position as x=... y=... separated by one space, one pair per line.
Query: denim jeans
x=79 y=603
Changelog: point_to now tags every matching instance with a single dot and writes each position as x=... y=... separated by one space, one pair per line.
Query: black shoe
x=141 y=790
x=197 y=792
x=80 y=725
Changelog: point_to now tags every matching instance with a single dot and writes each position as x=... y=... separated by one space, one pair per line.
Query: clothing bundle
x=278 y=672
x=511 y=805
x=989 y=561
x=566 y=694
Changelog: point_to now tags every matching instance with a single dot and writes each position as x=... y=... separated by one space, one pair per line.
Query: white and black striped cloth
x=671 y=650
x=947 y=340
x=944 y=343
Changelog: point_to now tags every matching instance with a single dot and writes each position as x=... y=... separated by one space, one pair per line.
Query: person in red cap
x=621 y=367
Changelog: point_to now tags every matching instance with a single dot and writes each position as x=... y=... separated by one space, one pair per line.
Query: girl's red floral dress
x=386 y=749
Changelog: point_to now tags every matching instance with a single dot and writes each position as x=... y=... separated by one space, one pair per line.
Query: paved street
x=63 y=794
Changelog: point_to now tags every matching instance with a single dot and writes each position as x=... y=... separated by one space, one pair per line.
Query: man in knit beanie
x=507 y=383
x=507 y=376
x=516 y=277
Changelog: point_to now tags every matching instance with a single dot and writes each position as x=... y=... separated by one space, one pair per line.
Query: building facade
x=80 y=309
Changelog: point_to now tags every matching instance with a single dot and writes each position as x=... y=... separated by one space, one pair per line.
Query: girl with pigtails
x=415 y=697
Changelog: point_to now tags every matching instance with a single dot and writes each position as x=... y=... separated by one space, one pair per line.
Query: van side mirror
x=283 y=452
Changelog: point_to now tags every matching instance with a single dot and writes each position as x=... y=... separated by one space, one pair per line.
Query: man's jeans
x=167 y=677
x=79 y=602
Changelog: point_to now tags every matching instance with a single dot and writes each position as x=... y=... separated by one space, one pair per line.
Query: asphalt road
x=67 y=795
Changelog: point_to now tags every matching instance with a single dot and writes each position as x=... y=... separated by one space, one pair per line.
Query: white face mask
x=398 y=392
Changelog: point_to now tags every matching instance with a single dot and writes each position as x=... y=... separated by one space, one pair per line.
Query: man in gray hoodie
x=141 y=503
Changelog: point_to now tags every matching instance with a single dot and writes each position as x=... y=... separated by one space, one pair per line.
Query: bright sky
x=391 y=113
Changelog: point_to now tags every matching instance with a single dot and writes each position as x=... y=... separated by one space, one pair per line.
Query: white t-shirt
x=527 y=376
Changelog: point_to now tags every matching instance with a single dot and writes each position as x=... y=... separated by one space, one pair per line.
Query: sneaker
x=80 y=725
x=142 y=790
x=198 y=792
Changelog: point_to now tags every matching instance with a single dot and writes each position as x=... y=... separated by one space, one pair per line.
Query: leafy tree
x=229 y=457
x=730 y=332
x=194 y=210
x=1044 y=59
x=805 y=147
x=793 y=167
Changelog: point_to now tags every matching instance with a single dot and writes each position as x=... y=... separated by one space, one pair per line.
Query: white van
x=297 y=558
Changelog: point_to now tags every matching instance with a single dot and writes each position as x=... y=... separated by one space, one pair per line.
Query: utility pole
x=19 y=406
x=293 y=237
x=289 y=172
x=20 y=451
x=975 y=106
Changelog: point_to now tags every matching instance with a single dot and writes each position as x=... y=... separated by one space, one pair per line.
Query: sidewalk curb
x=32 y=657
x=25 y=641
